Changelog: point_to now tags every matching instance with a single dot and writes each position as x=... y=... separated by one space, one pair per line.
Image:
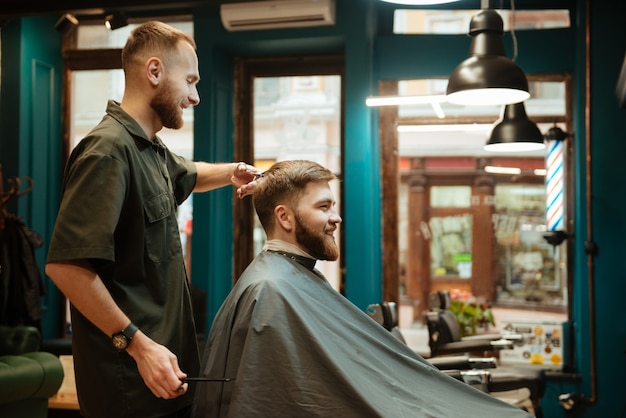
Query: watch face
x=119 y=341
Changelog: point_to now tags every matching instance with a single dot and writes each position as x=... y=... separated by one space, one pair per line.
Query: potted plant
x=470 y=314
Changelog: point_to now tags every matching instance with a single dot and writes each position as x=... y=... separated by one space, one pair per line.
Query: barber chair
x=473 y=371
x=457 y=357
x=444 y=339
x=444 y=331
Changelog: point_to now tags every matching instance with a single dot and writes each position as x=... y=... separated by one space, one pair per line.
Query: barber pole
x=555 y=188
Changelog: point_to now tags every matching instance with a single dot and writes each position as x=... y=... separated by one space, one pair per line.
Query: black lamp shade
x=487 y=76
x=515 y=132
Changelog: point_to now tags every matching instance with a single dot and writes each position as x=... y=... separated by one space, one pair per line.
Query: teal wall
x=608 y=216
x=30 y=131
x=361 y=229
x=30 y=145
x=213 y=120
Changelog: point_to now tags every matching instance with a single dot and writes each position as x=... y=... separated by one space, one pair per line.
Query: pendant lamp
x=487 y=76
x=514 y=132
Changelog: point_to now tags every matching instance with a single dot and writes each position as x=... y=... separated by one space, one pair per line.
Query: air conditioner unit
x=274 y=14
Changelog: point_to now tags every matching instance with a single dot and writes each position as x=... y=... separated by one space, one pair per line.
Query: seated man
x=296 y=347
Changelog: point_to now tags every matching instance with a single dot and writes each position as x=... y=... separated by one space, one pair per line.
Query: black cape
x=298 y=348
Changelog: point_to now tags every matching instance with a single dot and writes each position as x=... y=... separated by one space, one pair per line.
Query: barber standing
x=116 y=253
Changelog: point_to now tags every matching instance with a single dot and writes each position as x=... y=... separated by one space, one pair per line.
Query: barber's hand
x=245 y=178
x=158 y=367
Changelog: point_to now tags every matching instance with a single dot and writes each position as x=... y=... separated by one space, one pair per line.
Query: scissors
x=207 y=379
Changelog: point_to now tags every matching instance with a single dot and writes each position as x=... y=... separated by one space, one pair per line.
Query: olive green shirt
x=118 y=211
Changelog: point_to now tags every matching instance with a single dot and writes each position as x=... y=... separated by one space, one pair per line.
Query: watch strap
x=129 y=331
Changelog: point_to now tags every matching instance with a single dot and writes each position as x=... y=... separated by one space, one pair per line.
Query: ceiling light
x=458 y=127
x=66 y=23
x=487 y=76
x=404 y=100
x=438 y=110
x=419 y=2
x=502 y=170
x=115 y=21
x=514 y=132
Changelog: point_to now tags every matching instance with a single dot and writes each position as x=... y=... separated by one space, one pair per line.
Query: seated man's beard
x=166 y=107
x=316 y=243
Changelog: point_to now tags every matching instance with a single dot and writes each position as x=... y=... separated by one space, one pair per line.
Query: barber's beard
x=318 y=244
x=166 y=106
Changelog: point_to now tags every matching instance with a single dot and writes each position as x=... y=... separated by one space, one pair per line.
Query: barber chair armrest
x=480 y=341
x=479 y=379
x=510 y=337
x=463 y=362
x=455 y=373
x=28 y=376
x=461 y=347
x=513 y=337
x=488 y=337
x=502 y=344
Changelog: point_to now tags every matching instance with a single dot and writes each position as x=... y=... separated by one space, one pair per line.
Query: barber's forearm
x=156 y=364
x=213 y=176
x=85 y=290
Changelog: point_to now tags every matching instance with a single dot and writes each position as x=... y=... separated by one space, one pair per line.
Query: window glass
x=528 y=266
x=451 y=246
x=87 y=109
x=99 y=37
x=450 y=196
x=299 y=117
x=428 y=21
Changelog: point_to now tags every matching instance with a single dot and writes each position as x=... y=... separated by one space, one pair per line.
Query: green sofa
x=28 y=377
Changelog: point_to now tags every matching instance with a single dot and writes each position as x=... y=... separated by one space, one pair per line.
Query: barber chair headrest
x=439 y=300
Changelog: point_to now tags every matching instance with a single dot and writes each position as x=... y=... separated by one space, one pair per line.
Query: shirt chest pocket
x=161 y=229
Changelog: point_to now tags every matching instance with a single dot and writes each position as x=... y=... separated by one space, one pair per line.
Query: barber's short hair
x=283 y=184
x=153 y=38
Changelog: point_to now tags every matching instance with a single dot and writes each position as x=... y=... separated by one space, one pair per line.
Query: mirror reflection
x=473 y=221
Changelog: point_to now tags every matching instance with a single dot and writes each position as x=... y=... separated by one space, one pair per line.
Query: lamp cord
x=513 y=36
x=512 y=26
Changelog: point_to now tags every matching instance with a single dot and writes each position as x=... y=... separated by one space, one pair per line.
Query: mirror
x=468 y=220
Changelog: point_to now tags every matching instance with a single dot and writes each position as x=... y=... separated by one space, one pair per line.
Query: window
x=291 y=108
x=529 y=268
x=451 y=246
x=298 y=117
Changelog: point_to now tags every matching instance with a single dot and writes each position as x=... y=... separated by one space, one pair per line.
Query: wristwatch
x=121 y=339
